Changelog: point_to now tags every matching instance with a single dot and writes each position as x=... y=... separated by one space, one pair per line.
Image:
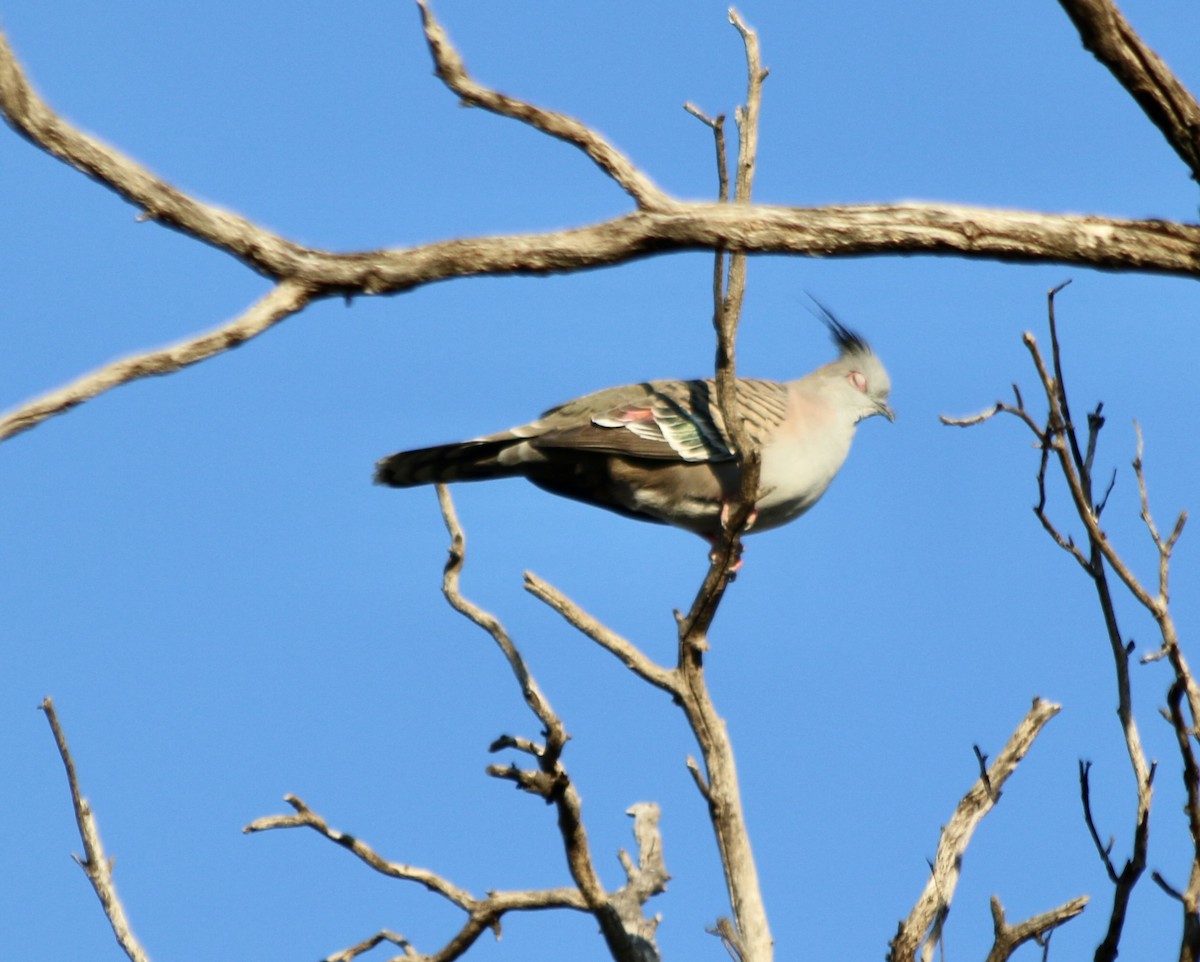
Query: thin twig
x=1085 y=794
x=95 y=864
x=628 y=653
x=384 y=935
x=717 y=124
x=1076 y=473
x=556 y=735
x=747 y=116
x=284 y=300
x=305 y=817
x=1059 y=440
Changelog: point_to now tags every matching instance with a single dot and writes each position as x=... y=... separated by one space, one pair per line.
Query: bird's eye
x=859 y=381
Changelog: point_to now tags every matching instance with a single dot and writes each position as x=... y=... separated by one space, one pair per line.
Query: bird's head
x=857 y=379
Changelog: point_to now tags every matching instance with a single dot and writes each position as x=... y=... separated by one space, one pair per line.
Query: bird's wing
x=659 y=420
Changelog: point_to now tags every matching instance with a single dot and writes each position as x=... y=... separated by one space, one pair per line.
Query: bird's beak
x=886 y=410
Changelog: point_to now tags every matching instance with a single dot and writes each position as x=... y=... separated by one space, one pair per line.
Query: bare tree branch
x=752 y=938
x=727 y=312
x=453 y=73
x=629 y=654
x=384 y=935
x=1159 y=93
x=628 y=934
x=660 y=225
x=1102 y=849
x=1148 y=245
x=95 y=864
x=646 y=877
x=1190 y=898
x=747 y=116
x=482 y=914
x=284 y=300
x=305 y=817
x=556 y=735
x=1009 y=938
x=922 y=929
x=1059 y=439
x=1161 y=607
x=33 y=119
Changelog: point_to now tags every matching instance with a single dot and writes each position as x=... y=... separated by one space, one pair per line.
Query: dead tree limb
x=1009 y=938
x=659 y=225
x=628 y=933
x=95 y=864
x=284 y=300
x=922 y=930
x=1060 y=442
x=1167 y=102
x=483 y=914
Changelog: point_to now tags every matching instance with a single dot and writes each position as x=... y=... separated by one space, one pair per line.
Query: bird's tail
x=466 y=461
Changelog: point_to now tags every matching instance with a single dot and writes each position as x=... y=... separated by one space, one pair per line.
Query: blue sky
x=225 y=610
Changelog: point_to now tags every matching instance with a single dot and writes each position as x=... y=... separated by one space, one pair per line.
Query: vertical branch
x=728 y=308
x=750 y=936
x=723 y=795
x=1189 y=950
x=1061 y=437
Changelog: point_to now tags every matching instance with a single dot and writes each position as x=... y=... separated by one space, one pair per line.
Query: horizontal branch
x=482 y=914
x=662 y=225
x=841 y=231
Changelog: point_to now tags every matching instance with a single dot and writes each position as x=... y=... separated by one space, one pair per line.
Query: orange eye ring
x=858 y=379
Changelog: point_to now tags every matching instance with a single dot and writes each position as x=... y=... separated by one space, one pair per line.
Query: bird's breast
x=796 y=471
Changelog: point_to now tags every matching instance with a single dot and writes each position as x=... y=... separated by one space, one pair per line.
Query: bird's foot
x=714 y=555
x=727 y=511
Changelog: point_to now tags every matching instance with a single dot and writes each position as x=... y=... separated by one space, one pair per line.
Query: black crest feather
x=847 y=341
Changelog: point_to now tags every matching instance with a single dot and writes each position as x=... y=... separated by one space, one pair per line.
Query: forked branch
x=482 y=914
x=628 y=933
x=922 y=930
x=1039 y=928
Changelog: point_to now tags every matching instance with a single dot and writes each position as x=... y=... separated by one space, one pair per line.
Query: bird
x=659 y=451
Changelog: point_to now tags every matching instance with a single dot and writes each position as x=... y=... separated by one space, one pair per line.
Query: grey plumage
x=658 y=451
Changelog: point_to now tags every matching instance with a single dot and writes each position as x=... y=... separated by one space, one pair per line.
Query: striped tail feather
x=465 y=461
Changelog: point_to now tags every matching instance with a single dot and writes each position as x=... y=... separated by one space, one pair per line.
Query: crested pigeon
x=658 y=451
